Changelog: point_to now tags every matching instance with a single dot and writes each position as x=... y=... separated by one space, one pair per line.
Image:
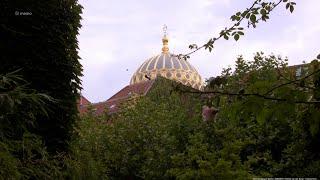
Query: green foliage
x=283 y=135
x=44 y=46
x=88 y=149
x=16 y=101
x=22 y=154
x=19 y=105
x=28 y=159
x=162 y=135
x=8 y=163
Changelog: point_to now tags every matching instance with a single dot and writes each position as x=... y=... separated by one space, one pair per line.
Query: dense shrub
x=164 y=136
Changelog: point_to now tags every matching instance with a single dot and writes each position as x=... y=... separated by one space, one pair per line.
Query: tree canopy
x=165 y=136
x=43 y=45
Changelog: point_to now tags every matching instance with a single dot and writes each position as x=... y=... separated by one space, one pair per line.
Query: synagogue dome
x=169 y=66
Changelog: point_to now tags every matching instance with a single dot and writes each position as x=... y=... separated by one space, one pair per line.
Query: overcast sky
x=117 y=36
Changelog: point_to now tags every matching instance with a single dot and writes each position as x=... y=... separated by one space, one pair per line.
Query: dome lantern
x=165 y=40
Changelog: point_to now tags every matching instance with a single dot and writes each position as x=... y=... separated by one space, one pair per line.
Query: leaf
x=291 y=8
x=287 y=5
x=263 y=12
x=233 y=17
x=226 y=37
x=240 y=32
x=248 y=15
x=236 y=37
x=253 y=18
x=244 y=13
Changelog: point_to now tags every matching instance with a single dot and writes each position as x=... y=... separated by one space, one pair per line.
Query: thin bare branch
x=213 y=40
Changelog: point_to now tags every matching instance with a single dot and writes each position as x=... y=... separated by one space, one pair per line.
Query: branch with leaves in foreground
x=14 y=91
x=264 y=95
x=251 y=94
x=259 y=11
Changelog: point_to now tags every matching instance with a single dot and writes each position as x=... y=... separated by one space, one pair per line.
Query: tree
x=273 y=113
x=39 y=37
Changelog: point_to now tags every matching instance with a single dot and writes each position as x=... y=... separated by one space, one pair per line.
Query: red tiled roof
x=139 y=88
x=84 y=101
x=100 y=107
x=112 y=104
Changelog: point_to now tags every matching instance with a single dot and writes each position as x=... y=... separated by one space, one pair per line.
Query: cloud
x=119 y=36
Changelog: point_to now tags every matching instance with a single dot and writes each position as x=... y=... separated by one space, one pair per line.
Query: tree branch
x=264 y=96
x=250 y=94
x=213 y=40
x=291 y=82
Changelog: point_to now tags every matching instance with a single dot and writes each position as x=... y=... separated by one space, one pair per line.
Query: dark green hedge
x=40 y=37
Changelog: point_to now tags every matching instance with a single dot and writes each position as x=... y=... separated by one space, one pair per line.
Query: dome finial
x=165 y=48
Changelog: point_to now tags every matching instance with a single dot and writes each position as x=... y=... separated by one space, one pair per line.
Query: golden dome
x=169 y=66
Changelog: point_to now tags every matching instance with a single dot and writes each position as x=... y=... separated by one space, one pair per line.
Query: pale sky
x=117 y=36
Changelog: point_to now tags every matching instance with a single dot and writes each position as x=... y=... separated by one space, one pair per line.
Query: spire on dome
x=165 y=40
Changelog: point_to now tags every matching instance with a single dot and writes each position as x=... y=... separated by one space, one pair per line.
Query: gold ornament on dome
x=165 y=40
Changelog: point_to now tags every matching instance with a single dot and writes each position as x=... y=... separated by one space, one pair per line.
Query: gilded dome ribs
x=170 y=67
